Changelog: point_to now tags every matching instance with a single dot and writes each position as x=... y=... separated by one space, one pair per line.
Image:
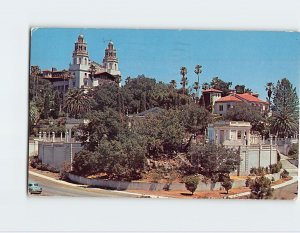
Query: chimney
x=54 y=69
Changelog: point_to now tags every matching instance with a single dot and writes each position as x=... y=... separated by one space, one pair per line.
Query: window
x=239 y=135
x=228 y=106
x=221 y=108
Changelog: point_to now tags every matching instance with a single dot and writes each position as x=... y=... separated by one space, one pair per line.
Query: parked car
x=34 y=187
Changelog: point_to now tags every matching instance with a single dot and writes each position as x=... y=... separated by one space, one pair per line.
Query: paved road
x=52 y=188
x=286 y=193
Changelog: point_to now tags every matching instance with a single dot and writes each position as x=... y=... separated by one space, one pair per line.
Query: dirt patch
x=218 y=194
x=45 y=173
x=281 y=181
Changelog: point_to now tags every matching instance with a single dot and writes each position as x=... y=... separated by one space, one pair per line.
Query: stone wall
x=56 y=153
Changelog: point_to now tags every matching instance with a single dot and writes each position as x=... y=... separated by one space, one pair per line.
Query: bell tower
x=80 y=64
x=110 y=60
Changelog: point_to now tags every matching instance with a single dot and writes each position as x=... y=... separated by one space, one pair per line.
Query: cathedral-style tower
x=110 y=60
x=80 y=64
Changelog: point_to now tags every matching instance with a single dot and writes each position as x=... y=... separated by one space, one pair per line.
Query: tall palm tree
x=269 y=89
x=198 y=71
x=77 y=102
x=184 y=82
x=284 y=123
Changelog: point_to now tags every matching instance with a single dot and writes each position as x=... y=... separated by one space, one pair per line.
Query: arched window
x=85 y=61
x=80 y=60
x=115 y=66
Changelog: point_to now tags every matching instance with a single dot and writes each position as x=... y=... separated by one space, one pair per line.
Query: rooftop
x=229 y=98
x=212 y=90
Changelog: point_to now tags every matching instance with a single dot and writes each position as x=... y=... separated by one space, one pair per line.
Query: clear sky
x=242 y=57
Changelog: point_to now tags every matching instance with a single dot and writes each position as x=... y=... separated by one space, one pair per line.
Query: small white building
x=235 y=133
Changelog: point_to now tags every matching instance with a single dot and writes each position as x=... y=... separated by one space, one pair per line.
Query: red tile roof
x=250 y=98
x=229 y=98
x=212 y=90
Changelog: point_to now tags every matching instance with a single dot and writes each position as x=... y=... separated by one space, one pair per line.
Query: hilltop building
x=220 y=105
x=83 y=72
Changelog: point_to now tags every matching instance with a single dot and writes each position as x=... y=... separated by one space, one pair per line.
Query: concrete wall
x=56 y=153
x=255 y=156
x=33 y=147
x=125 y=185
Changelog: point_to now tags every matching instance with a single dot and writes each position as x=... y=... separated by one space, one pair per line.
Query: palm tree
x=77 y=102
x=198 y=71
x=269 y=89
x=284 y=123
x=184 y=82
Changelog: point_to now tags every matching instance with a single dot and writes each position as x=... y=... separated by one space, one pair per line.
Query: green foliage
x=101 y=125
x=294 y=151
x=245 y=112
x=261 y=188
x=194 y=118
x=213 y=160
x=56 y=105
x=227 y=184
x=77 y=103
x=285 y=116
x=219 y=84
x=284 y=174
x=191 y=183
x=163 y=132
x=248 y=181
x=46 y=109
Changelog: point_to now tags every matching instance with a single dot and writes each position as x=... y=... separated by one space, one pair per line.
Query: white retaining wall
x=56 y=153
x=125 y=185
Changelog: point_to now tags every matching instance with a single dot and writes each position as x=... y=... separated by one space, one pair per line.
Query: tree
x=163 y=132
x=285 y=115
x=56 y=105
x=227 y=184
x=213 y=160
x=191 y=183
x=246 y=112
x=46 y=109
x=184 y=82
x=240 y=89
x=194 y=118
x=261 y=188
x=269 y=89
x=219 y=84
x=77 y=103
x=197 y=86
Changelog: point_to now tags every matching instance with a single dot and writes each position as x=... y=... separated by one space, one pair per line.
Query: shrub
x=64 y=170
x=284 y=174
x=261 y=188
x=248 y=182
x=156 y=177
x=253 y=171
x=191 y=183
x=227 y=184
x=273 y=179
x=260 y=171
x=275 y=168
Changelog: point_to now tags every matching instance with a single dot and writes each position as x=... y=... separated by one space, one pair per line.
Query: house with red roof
x=223 y=104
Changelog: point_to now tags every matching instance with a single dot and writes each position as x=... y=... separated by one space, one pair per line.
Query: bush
x=248 y=182
x=294 y=151
x=284 y=174
x=64 y=170
x=261 y=188
x=273 y=179
x=156 y=177
x=227 y=184
x=275 y=168
x=191 y=183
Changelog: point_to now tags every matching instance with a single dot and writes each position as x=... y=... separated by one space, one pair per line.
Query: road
x=286 y=193
x=52 y=188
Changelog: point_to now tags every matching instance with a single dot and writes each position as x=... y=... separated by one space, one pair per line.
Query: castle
x=83 y=72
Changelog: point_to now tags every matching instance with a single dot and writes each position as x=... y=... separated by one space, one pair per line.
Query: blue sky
x=242 y=57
